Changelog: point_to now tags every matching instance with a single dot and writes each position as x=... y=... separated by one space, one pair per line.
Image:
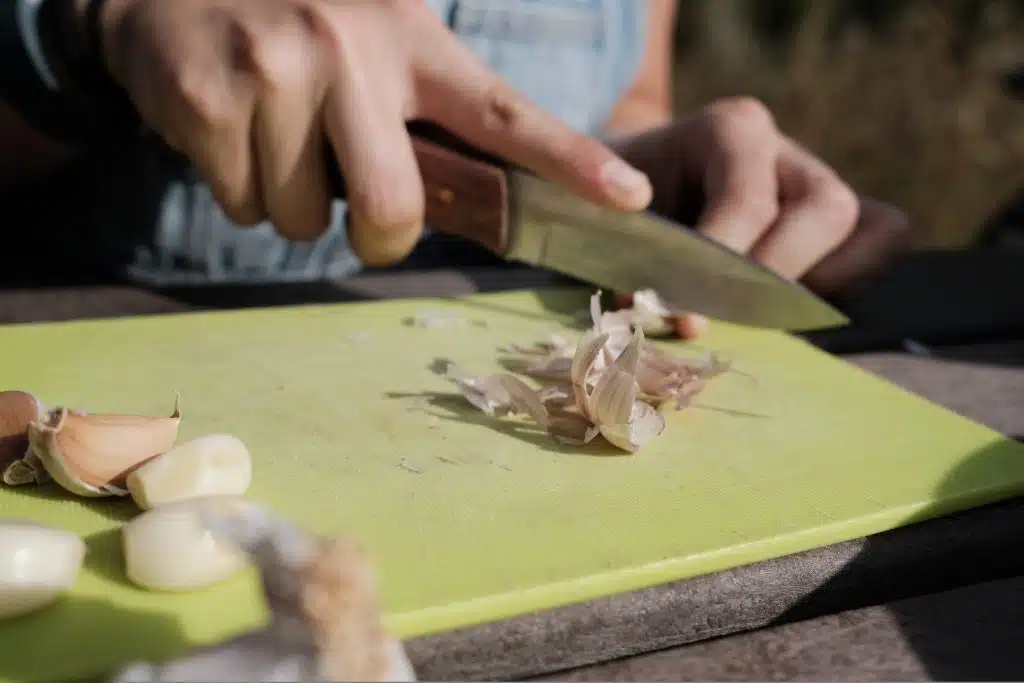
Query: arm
x=648 y=102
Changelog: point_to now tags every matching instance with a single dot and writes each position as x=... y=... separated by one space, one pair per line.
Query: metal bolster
x=528 y=234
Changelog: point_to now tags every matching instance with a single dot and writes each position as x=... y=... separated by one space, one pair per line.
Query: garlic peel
x=572 y=429
x=215 y=464
x=28 y=470
x=644 y=425
x=525 y=399
x=91 y=454
x=326 y=623
x=18 y=409
x=38 y=565
x=613 y=382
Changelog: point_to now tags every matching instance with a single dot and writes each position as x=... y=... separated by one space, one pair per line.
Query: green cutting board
x=472 y=519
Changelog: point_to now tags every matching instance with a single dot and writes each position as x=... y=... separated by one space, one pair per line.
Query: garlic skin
x=18 y=409
x=212 y=465
x=91 y=455
x=170 y=549
x=652 y=314
x=326 y=624
x=38 y=565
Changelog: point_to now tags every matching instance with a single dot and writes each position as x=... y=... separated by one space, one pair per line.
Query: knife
x=523 y=218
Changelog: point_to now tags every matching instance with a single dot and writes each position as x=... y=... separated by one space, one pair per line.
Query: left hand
x=729 y=172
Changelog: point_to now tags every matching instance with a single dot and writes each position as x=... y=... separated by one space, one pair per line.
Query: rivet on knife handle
x=464 y=196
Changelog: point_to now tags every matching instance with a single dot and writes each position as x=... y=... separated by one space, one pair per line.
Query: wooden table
x=943 y=599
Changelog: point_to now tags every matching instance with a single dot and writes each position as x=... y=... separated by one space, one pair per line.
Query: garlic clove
x=170 y=548
x=645 y=425
x=212 y=465
x=92 y=454
x=38 y=565
x=18 y=409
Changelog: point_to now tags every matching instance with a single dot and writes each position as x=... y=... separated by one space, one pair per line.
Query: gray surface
x=972 y=633
x=963 y=634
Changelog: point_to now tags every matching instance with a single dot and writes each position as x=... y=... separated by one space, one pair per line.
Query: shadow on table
x=934 y=300
x=960 y=638
x=445 y=283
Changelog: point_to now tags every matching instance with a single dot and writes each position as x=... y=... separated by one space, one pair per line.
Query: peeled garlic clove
x=38 y=565
x=92 y=454
x=170 y=548
x=18 y=409
x=213 y=465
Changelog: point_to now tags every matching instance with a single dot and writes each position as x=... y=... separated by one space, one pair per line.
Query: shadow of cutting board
x=469 y=518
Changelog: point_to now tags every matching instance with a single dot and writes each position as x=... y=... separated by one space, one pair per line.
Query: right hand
x=249 y=90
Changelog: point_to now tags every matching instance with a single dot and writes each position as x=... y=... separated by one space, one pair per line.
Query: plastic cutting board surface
x=469 y=518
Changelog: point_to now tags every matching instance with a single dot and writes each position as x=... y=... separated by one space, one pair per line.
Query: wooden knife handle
x=466 y=190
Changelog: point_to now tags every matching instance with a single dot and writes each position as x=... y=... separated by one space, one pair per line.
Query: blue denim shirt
x=573 y=58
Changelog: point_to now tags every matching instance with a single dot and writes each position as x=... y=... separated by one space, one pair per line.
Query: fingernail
x=627 y=183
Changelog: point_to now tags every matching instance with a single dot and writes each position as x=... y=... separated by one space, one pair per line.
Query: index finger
x=458 y=92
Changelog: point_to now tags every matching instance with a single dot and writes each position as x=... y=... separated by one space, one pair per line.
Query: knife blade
x=524 y=218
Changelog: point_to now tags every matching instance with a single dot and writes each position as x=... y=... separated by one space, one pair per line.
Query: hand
x=250 y=90
x=729 y=172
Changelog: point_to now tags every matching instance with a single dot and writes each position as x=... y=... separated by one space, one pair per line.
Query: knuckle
x=743 y=111
x=277 y=56
x=842 y=205
x=760 y=210
x=414 y=17
x=502 y=108
x=205 y=97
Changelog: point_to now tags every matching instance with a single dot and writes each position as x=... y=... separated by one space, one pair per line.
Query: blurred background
x=919 y=102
